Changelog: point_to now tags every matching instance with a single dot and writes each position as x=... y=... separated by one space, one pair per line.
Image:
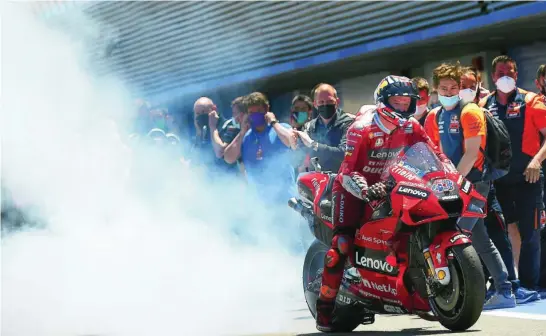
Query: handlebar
x=390 y=184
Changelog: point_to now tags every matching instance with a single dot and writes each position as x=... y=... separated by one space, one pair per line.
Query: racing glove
x=376 y=191
x=356 y=184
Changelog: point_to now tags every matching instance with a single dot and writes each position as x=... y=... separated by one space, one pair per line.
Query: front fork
x=436 y=262
x=440 y=274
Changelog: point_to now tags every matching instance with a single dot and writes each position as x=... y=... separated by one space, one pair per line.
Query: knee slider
x=332 y=258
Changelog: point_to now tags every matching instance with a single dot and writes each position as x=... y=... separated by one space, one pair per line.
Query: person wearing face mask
x=460 y=132
x=158 y=118
x=422 y=104
x=520 y=191
x=263 y=145
x=325 y=136
x=301 y=111
x=473 y=91
x=203 y=151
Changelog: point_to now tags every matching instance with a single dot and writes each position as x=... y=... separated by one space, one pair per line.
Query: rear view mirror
x=316 y=165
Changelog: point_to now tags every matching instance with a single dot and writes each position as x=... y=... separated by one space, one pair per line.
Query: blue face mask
x=300 y=116
x=448 y=101
x=256 y=119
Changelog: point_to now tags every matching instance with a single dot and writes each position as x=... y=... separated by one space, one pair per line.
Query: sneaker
x=542 y=293
x=324 y=315
x=500 y=300
x=489 y=294
x=524 y=295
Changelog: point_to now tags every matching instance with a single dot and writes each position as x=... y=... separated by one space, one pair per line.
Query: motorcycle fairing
x=442 y=242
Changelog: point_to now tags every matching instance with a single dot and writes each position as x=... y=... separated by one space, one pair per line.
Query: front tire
x=313 y=266
x=460 y=304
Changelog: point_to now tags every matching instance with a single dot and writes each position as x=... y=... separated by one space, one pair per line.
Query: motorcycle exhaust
x=297 y=206
x=293 y=203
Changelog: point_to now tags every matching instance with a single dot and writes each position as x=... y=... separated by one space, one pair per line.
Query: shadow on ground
x=422 y=331
x=402 y=332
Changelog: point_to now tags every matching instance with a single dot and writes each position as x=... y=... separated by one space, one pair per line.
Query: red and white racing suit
x=369 y=146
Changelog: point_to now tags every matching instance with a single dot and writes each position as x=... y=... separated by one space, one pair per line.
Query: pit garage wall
x=358 y=91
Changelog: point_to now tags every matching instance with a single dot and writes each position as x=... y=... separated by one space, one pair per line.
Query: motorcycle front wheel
x=459 y=305
x=313 y=266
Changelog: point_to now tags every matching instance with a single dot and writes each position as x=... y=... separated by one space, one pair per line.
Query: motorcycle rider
x=371 y=139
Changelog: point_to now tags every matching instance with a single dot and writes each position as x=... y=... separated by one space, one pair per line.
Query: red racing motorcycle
x=410 y=257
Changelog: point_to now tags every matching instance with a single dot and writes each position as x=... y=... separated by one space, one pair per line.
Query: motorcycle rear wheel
x=459 y=306
x=314 y=262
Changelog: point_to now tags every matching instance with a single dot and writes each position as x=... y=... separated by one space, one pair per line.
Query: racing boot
x=325 y=312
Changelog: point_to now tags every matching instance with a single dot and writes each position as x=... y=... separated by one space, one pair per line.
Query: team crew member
x=520 y=191
x=389 y=129
x=325 y=135
x=422 y=105
x=472 y=91
x=460 y=131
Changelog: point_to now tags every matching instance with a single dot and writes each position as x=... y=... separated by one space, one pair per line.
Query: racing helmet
x=392 y=86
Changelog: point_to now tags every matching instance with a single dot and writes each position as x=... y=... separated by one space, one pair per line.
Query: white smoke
x=121 y=256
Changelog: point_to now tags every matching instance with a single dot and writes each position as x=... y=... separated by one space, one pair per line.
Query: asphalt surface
x=524 y=320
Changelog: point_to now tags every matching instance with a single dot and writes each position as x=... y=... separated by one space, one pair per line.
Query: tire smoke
x=120 y=255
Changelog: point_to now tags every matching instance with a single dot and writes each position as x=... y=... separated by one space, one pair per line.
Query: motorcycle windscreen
x=420 y=160
x=412 y=169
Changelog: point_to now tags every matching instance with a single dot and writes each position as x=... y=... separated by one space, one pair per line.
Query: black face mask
x=327 y=111
x=202 y=120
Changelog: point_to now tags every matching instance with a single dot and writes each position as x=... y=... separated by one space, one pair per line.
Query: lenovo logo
x=375 y=262
x=414 y=192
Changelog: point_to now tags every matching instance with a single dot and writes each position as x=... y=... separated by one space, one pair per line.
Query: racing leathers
x=369 y=147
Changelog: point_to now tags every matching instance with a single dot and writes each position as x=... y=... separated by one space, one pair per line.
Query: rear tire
x=460 y=305
x=313 y=267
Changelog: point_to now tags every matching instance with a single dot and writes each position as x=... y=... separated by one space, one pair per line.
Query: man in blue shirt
x=264 y=147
